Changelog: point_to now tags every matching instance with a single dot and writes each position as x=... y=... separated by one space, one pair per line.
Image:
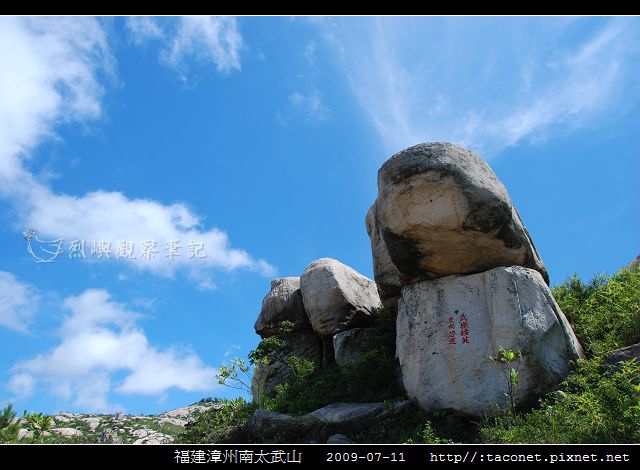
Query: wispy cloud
x=143 y=29
x=206 y=39
x=487 y=83
x=51 y=73
x=100 y=339
x=18 y=303
x=309 y=106
x=306 y=102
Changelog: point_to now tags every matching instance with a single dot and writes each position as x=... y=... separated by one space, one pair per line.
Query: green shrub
x=605 y=313
x=370 y=378
x=428 y=435
x=37 y=423
x=595 y=407
x=8 y=427
x=226 y=424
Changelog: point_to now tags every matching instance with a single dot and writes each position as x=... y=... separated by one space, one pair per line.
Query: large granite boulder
x=282 y=303
x=337 y=297
x=448 y=329
x=302 y=344
x=385 y=272
x=633 y=266
x=440 y=211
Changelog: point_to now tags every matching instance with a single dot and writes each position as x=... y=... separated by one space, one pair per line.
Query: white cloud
x=309 y=105
x=207 y=285
x=207 y=39
x=50 y=72
x=143 y=28
x=99 y=339
x=18 y=303
x=21 y=385
x=136 y=220
x=487 y=83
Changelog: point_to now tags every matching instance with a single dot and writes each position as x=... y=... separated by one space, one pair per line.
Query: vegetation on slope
x=595 y=404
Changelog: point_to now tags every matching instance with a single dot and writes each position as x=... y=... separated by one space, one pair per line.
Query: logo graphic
x=43 y=251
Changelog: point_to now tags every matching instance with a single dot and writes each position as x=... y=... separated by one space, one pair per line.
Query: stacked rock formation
x=329 y=303
x=452 y=256
x=284 y=303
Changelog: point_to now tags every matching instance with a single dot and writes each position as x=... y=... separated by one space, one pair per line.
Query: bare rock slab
x=448 y=330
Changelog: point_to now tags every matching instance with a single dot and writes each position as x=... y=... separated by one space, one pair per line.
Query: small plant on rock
x=239 y=374
x=506 y=359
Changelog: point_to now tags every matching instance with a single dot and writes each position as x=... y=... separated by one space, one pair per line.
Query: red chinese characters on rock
x=464 y=329
x=452 y=331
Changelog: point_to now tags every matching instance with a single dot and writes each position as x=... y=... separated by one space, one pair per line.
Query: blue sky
x=260 y=139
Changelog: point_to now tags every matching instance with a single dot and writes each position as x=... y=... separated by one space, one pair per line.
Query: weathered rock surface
x=634 y=264
x=347 y=415
x=440 y=211
x=337 y=297
x=67 y=432
x=282 y=303
x=24 y=434
x=302 y=344
x=92 y=422
x=187 y=412
x=155 y=438
x=627 y=353
x=262 y=421
x=339 y=439
x=350 y=345
x=385 y=272
x=447 y=330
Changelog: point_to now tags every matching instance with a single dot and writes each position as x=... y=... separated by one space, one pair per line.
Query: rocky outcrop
x=67 y=432
x=385 y=272
x=440 y=211
x=633 y=266
x=263 y=421
x=337 y=297
x=349 y=414
x=282 y=303
x=343 y=416
x=327 y=299
x=448 y=329
x=350 y=345
x=627 y=353
x=121 y=428
x=339 y=439
x=302 y=344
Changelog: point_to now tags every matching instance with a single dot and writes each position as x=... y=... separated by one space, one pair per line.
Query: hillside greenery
x=594 y=405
